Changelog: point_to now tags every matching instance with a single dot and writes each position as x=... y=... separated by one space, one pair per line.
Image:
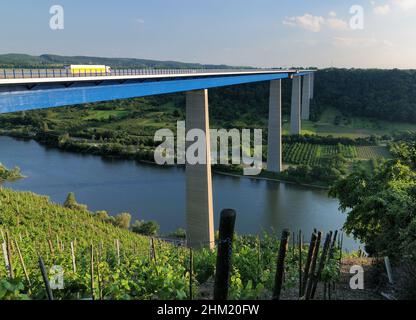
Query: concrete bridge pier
x=306 y=97
x=312 y=76
x=274 y=152
x=199 y=202
x=295 y=122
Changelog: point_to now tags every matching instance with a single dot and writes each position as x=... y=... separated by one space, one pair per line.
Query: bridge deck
x=31 y=76
x=31 y=92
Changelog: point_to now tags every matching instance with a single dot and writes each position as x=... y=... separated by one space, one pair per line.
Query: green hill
x=13 y=60
x=38 y=227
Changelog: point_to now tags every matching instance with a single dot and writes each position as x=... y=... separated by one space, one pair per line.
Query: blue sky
x=235 y=32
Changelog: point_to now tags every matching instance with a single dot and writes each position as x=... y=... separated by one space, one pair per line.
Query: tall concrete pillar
x=199 y=203
x=306 y=97
x=312 y=75
x=274 y=153
x=295 y=123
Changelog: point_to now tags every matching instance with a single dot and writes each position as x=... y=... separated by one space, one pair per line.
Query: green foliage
x=150 y=228
x=123 y=220
x=71 y=203
x=12 y=290
x=383 y=94
x=6 y=174
x=382 y=207
x=178 y=234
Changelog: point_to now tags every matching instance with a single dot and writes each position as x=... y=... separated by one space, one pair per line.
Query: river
x=150 y=192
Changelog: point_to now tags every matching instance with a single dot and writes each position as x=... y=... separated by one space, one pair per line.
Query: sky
x=261 y=33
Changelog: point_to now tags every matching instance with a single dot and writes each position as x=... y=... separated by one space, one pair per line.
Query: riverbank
x=9 y=175
x=271 y=179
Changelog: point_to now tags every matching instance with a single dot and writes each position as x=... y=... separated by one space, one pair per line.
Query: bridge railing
x=66 y=73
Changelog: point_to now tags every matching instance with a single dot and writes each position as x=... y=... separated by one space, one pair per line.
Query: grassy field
x=333 y=123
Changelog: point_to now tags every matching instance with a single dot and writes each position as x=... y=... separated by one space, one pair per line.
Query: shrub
x=150 y=228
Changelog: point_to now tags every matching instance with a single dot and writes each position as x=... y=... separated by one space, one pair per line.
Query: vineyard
x=96 y=260
x=313 y=154
x=373 y=152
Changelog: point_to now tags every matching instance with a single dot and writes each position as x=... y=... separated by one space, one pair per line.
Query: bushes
x=6 y=174
x=383 y=208
x=122 y=220
x=150 y=228
x=71 y=203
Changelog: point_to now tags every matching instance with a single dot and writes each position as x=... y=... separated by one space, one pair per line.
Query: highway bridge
x=29 y=89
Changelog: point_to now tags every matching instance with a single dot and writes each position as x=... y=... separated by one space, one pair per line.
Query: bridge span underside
x=38 y=93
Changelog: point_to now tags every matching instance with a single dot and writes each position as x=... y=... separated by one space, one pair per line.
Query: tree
x=150 y=228
x=123 y=220
x=179 y=234
x=102 y=215
x=71 y=203
x=382 y=207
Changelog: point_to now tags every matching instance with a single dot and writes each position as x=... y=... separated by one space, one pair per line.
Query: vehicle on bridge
x=89 y=69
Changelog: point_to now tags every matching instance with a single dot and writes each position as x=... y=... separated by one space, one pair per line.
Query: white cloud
x=332 y=14
x=307 y=21
x=337 y=24
x=405 y=4
x=316 y=23
x=141 y=21
x=382 y=10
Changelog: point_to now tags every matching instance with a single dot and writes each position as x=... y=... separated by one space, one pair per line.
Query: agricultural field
x=313 y=154
x=373 y=152
x=333 y=123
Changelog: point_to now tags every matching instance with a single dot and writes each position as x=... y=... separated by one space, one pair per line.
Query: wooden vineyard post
x=118 y=251
x=313 y=266
x=224 y=254
x=293 y=246
x=23 y=264
x=321 y=263
x=74 y=265
x=280 y=269
x=45 y=279
x=154 y=257
x=9 y=255
x=51 y=247
x=333 y=244
x=92 y=272
x=191 y=271
x=6 y=258
x=306 y=272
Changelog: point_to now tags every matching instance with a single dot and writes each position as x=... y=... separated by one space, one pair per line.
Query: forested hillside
x=50 y=60
x=384 y=94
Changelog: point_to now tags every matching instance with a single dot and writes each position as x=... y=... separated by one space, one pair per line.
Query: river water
x=150 y=192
